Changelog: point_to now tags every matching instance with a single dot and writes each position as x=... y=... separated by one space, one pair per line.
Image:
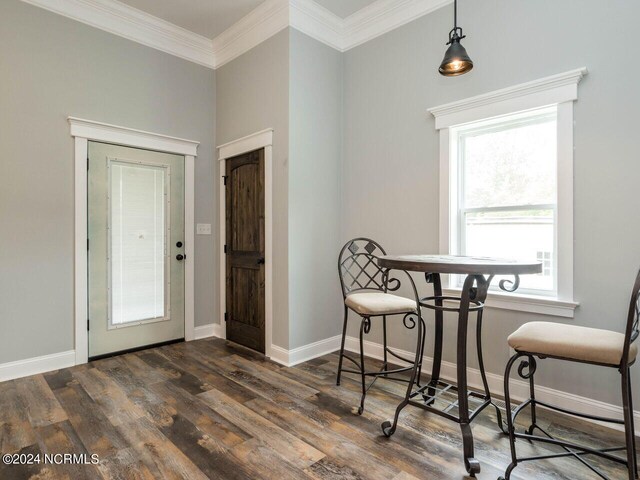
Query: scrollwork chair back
x=358 y=267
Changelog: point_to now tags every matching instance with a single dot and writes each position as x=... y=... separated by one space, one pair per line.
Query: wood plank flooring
x=212 y=409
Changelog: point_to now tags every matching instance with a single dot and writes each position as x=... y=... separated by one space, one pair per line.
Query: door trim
x=84 y=131
x=255 y=141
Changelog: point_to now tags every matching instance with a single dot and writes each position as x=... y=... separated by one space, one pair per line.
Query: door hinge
x=87 y=244
x=225 y=249
x=87 y=163
x=87 y=324
x=226 y=317
x=224 y=179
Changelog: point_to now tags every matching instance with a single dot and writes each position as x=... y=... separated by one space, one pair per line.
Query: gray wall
x=390 y=171
x=382 y=173
x=53 y=67
x=252 y=93
x=315 y=193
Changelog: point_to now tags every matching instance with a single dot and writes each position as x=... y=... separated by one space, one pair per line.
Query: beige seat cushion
x=379 y=303
x=570 y=341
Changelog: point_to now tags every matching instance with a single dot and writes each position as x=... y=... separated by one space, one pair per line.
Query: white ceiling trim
x=366 y=24
x=316 y=21
x=383 y=16
x=128 y=22
x=260 y=24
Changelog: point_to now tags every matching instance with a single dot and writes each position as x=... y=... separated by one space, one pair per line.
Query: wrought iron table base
x=474 y=293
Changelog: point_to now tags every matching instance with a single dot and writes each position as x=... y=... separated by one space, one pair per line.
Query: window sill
x=525 y=303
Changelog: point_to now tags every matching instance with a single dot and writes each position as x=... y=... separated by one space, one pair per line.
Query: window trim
x=560 y=90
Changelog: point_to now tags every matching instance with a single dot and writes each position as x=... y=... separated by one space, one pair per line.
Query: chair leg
x=344 y=336
x=385 y=365
x=364 y=322
x=633 y=429
x=532 y=393
x=510 y=426
x=628 y=423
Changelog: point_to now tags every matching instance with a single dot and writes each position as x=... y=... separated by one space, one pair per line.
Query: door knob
x=180 y=257
x=261 y=261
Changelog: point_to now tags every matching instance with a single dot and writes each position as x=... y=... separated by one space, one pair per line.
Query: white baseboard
x=280 y=355
x=209 y=330
x=298 y=355
x=35 y=365
x=519 y=389
x=56 y=361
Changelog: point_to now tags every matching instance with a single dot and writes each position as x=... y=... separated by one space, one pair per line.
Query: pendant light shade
x=456 y=61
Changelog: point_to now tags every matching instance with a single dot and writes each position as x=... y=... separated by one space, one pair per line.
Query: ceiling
x=210 y=18
x=344 y=8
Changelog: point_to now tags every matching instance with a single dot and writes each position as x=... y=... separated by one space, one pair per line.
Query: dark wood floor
x=211 y=409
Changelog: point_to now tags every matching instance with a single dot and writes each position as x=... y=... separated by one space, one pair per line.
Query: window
x=138 y=261
x=507 y=191
x=506 y=186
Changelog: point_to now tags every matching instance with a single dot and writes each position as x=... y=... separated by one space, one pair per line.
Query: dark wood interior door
x=245 y=308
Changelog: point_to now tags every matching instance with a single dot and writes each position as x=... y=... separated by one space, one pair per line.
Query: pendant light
x=456 y=61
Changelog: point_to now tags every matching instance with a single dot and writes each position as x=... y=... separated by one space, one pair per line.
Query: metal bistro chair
x=365 y=288
x=576 y=344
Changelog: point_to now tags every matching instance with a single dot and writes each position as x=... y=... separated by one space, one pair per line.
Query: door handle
x=180 y=257
x=261 y=261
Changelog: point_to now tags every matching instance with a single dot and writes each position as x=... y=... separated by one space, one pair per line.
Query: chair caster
x=360 y=410
x=529 y=431
x=473 y=466
x=387 y=429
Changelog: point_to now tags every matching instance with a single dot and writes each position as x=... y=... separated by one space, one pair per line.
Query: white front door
x=136 y=248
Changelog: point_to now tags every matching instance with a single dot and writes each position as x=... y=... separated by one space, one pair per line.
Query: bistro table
x=479 y=272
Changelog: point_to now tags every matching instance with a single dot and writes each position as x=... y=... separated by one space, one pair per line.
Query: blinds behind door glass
x=137 y=242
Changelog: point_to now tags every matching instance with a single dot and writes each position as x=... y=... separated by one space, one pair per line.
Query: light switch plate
x=203 y=229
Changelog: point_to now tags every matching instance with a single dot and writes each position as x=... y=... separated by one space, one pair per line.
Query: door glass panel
x=137 y=243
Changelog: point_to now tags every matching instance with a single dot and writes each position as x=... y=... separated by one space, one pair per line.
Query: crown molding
x=261 y=23
x=316 y=21
x=269 y=18
x=366 y=24
x=383 y=16
x=133 y=24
